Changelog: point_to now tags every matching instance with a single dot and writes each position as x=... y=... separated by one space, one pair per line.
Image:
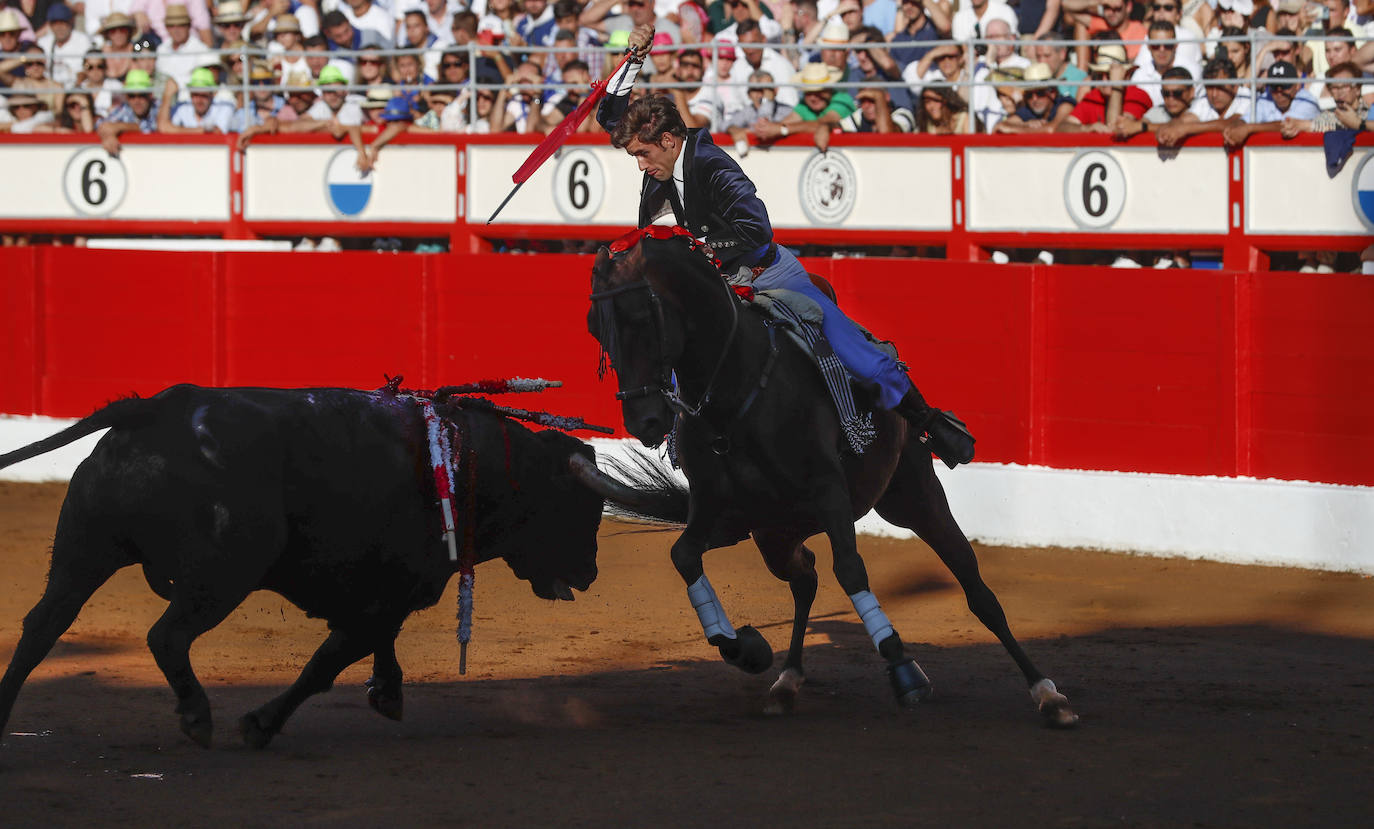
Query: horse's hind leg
x=790 y=560
x=79 y=568
x=916 y=500
x=384 y=686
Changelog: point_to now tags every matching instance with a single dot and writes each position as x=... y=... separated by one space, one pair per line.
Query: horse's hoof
x=1053 y=706
x=749 y=651
x=782 y=697
x=386 y=703
x=253 y=732
x=198 y=729
x=909 y=683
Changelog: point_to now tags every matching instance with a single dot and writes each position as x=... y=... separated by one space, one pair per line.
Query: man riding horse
x=709 y=195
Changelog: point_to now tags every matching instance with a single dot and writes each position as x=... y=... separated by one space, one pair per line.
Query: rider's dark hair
x=647 y=119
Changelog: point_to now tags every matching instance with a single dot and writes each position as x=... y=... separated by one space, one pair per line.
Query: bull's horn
x=604 y=485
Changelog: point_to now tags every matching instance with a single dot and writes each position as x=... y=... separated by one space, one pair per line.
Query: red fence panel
x=20 y=346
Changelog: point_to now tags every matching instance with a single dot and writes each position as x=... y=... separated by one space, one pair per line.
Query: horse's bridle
x=665 y=371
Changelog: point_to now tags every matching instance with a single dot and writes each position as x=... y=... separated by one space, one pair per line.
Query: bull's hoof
x=198 y=727
x=748 y=651
x=782 y=697
x=255 y=735
x=909 y=683
x=383 y=699
x=1053 y=706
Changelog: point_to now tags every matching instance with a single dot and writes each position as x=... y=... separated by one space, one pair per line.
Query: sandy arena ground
x=1210 y=695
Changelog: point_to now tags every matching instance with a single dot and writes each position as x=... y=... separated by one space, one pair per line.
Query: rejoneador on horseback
x=753 y=428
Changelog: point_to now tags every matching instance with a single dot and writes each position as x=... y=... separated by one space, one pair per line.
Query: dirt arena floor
x=1210 y=695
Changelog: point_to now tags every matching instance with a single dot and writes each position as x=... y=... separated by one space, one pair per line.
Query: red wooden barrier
x=1192 y=372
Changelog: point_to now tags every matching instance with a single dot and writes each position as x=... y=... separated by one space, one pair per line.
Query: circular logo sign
x=345 y=189
x=578 y=185
x=95 y=182
x=829 y=188
x=1094 y=189
x=1363 y=190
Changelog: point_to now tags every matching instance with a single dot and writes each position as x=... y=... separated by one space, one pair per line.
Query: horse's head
x=637 y=316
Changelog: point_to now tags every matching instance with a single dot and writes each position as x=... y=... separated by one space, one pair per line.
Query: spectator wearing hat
x=179 y=53
x=229 y=22
x=834 y=35
x=1351 y=111
x=262 y=103
x=65 y=46
x=11 y=69
x=1100 y=107
x=117 y=32
x=137 y=113
x=1040 y=108
x=145 y=58
x=971 y=20
x=658 y=68
x=1163 y=56
x=27 y=114
x=287 y=37
x=757 y=56
x=1000 y=63
x=1057 y=59
x=392 y=117
x=369 y=18
x=27 y=23
x=340 y=33
x=201 y=113
x=1284 y=97
x=819 y=111
x=918 y=22
x=153 y=14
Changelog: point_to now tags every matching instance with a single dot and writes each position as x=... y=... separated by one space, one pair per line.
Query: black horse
x=760 y=443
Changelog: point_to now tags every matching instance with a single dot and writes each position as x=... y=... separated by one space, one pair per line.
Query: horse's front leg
x=909 y=682
x=745 y=648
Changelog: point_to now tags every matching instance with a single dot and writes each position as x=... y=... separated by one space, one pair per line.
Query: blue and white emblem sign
x=345 y=189
x=1363 y=187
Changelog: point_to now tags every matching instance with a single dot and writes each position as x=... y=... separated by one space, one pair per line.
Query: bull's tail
x=121 y=413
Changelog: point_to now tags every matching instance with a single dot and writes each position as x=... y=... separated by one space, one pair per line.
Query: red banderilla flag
x=558 y=137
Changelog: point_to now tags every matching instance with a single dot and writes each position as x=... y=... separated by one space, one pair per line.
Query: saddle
x=800 y=317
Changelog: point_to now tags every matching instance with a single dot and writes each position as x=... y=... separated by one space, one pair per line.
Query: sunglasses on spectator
x=92 y=66
x=1041 y=93
x=1107 y=8
x=377 y=61
x=932 y=99
x=1176 y=94
x=452 y=64
x=75 y=105
x=1162 y=46
x=1164 y=7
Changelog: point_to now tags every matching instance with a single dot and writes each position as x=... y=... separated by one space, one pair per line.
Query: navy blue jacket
x=722 y=205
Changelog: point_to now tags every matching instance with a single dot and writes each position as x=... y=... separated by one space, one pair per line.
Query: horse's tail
x=120 y=413
x=663 y=493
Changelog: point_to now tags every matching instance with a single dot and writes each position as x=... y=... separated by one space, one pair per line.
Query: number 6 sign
x=1094 y=189
x=578 y=185
x=94 y=182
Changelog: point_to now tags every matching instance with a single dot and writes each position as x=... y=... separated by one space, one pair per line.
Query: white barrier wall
x=854 y=188
x=1288 y=191
x=1100 y=189
x=183 y=182
x=310 y=183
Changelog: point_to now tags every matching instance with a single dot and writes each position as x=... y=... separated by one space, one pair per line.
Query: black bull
x=325 y=496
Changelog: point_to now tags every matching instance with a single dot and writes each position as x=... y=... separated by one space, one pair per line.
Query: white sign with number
x=1094 y=190
x=95 y=182
x=579 y=185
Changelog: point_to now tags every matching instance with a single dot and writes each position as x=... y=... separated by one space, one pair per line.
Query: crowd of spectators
x=756 y=69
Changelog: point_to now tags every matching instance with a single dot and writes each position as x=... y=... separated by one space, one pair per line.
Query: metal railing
x=711 y=49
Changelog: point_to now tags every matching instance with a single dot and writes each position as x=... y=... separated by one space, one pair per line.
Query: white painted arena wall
x=1238 y=520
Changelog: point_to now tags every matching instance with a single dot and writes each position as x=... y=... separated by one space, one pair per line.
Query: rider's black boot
x=945 y=434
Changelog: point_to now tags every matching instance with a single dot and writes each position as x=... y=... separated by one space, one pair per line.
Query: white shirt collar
x=679 y=178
